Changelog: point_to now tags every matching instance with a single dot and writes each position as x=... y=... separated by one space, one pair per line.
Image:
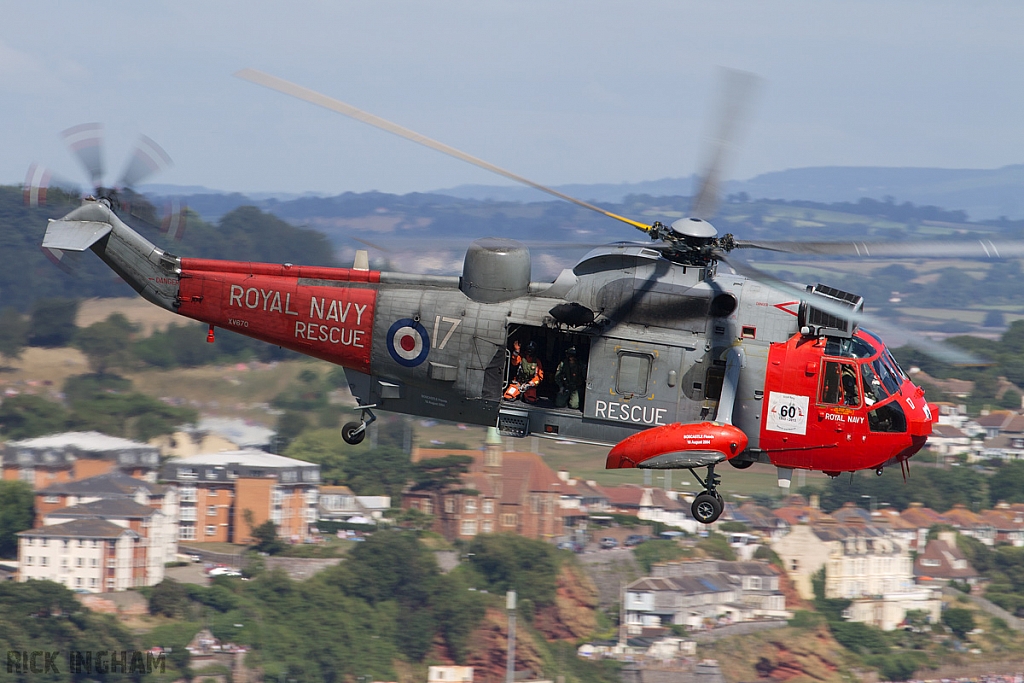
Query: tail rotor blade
x=737 y=95
x=147 y=159
x=174 y=222
x=86 y=142
x=37 y=180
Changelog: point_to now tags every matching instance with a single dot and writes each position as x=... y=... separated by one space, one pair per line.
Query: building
x=701 y=593
x=503 y=492
x=863 y=563
x=225 y=495
x=942 y=561
x=213 y=434
x=651 y=504
x=158 y=534
x=970 y=524
x=58 y=458
x=91 y=555
x=450 y=674
x=110 y=486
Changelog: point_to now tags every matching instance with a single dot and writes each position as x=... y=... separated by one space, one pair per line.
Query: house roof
x=521 y=473
x=1003 y=519
x=83 y=441
x=248 y=457
x=997 y=418
x=633 y=496
x=947 y=557
x=106 y=507
x=793 y=515
x=756 y=516
x=80 y=528
x=947 y=431
x=109 y=484
x=921 y=517
x=336 y=491
x=692 y=584
x=961 y=517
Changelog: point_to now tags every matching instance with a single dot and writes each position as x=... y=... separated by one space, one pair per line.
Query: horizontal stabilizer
x=74 y=235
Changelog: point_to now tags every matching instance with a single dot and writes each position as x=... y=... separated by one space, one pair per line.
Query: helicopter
x=685 y=364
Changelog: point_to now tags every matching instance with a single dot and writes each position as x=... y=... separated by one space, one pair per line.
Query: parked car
x=634 y=539
x=608 y=543
x=194 y=557
x=224 y=571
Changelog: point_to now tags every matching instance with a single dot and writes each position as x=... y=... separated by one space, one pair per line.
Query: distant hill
x=981 y=193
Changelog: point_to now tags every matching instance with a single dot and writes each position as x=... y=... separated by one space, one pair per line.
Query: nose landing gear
x=354 y=432
x=707 y=506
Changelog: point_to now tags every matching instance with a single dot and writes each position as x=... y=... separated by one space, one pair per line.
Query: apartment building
x=223 y=496
x=92 y=555
x=70 y=456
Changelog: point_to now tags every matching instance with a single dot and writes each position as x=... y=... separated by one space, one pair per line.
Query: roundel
x=408 y=342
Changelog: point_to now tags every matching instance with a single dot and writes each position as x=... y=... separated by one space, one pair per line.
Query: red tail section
x=322 y=312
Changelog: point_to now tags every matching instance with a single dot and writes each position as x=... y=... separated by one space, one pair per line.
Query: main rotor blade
x=86 y=142
x=938 y=350
x=737 y=95
x=983 y=249
x=313 y=97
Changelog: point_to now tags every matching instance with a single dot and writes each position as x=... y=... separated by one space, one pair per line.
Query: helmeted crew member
x=527 y=373
x=569 y=377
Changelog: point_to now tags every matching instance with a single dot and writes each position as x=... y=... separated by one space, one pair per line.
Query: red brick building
x=503 y=492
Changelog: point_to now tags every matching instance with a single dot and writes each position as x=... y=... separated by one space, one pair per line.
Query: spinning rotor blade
x=990 y=249
x=86 y=142
x=737 y=95
x=40 y=183
x=147 y=159
x=938 y=350
x=313 y=97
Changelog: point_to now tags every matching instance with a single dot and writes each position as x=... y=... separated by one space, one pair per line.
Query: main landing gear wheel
x=353 y=433
x=706 y=508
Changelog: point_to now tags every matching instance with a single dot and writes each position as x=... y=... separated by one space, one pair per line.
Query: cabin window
x=839 y=384
x=634 y=371
x=874 y=392
x=888 y=418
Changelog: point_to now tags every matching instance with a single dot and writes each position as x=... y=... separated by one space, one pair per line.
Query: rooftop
x=250 y=457
x=108 y=507
x=111 y=483
x=80 y=528
x=86 y=441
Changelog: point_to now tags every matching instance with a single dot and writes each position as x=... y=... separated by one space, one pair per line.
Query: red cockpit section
x=840 y=405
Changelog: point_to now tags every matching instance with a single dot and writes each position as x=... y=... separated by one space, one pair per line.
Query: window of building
x=188 y=494
x=469 y=505
x=44 y=542
x=27 y=475
x=28 y=560
x=211 y=493
x=187 y=473
x=488 y=507
x=487 y=526
x=508 y=519
x=92 y=583
x=449 y=505
x=78 y=582
x=111 y=563
x=211 y=472
x=289 y=475
x=79 y=561
x=428 y=506
x=930 y=562
x=110 y=583
x=793 y=565
x=95 y=543
x=29 y=540
x=275 y=516
x=469 y=527
x=211 y=530
x=44 y=561
x=51 y=499
x=187 y=532
x=93 y=562
x=535 y=505
x=211 y=510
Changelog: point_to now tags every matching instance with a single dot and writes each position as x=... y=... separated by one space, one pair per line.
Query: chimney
x=815 y=501
x=563 y=476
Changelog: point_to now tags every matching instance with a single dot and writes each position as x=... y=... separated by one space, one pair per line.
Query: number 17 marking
x=455 y=322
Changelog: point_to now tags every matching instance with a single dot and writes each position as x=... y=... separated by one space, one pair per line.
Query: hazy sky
x=561 y=92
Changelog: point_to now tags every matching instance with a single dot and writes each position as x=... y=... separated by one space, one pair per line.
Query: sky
x=559 y=92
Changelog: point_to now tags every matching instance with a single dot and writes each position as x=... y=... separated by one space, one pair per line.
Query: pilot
x=569 y=377
x=527 y=373
x=851 y=396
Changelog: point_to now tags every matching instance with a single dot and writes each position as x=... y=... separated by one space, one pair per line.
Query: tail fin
x=74 y=235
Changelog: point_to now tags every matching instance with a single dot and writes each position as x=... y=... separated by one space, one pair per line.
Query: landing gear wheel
x=706 y=508
x=741 y=464
x=353 y=433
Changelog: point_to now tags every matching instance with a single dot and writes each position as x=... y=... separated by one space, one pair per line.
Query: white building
x=93 y=555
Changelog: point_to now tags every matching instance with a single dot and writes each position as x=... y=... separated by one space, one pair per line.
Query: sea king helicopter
x=689 y=357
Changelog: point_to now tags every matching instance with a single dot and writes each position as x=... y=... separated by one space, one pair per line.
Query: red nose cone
x=678 y=445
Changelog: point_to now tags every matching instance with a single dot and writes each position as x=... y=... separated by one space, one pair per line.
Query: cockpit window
x=839 y=384
x=888 y=418
x=874 y=391
x=849 y=348
x=892 y=385
x=893 y=365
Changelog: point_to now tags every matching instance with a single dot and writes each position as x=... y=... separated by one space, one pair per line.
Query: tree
x=266 y=538
x=17 y=510
x=167 y=598
x=438 y=475
x=26 y=416
x=511 y=562
x=382 y=471
x=1008 y=483
x=651 y=552
x=107 y=344
x=326 y=448
x=13 y=333
x=960 y=621
x=53 y=322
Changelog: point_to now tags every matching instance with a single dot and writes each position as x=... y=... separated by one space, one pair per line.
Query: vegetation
x=1003 y=566
x=649 y=553
x=937 y=488
x=17 y=510
x=507 y=562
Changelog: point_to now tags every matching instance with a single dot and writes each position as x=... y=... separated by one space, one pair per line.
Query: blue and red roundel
x=408 y=342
